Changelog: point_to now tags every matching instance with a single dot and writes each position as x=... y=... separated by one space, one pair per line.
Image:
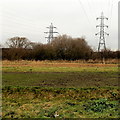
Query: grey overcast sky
x=76 y=18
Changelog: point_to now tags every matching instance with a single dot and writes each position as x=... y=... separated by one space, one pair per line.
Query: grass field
x=61 y=89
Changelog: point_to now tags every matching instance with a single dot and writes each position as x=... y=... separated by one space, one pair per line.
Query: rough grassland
x=36 y=102
x=60 y=89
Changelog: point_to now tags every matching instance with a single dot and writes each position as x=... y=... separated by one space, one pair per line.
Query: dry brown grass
x=60 y=63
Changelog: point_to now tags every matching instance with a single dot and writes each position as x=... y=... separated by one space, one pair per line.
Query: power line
x=84 y=12
x=15 y=14
x=90 y=7
x=111 y=13
x=21 y=24
x=109 y=6
x=17 y=20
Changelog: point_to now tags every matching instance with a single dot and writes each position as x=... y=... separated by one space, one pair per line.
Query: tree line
x=61 y=48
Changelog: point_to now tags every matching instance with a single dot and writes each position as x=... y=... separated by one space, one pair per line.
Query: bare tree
x=70 y=48
x=1 y=46
x=36 y=45
x=18 y=42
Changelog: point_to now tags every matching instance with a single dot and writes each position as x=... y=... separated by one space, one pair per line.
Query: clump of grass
x=100 y=105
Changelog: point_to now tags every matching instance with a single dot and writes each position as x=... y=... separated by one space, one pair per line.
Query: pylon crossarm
x=97 y=33
x=106 y=33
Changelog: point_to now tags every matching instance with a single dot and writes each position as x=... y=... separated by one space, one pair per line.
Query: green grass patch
x=59 y=69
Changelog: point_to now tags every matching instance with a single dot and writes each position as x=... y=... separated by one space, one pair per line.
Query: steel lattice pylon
x=102 y=33
x=50 y=33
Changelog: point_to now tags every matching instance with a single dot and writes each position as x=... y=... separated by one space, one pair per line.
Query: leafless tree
x=70 y=48
x=18 y=42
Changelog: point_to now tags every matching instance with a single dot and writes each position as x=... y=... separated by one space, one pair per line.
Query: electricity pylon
x=102 y=33
x=50 y=33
